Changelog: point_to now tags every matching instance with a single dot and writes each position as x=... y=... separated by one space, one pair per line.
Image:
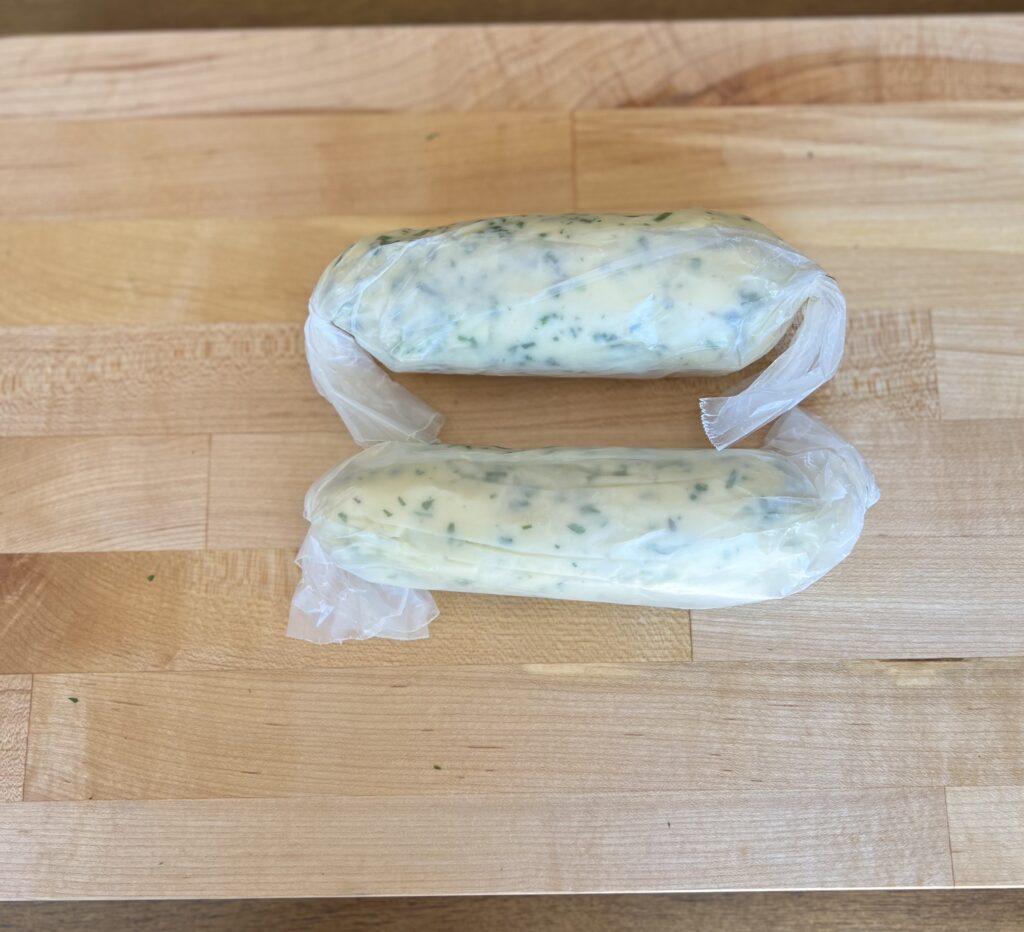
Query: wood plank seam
x=949 y=836
x=209 y=474
x=28 y=736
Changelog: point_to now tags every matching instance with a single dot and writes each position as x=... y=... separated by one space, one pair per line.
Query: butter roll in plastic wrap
x=685 y=529
x=689 y=292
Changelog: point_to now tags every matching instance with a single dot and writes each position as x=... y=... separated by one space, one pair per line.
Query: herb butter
x=674 y=293
x=686 y=529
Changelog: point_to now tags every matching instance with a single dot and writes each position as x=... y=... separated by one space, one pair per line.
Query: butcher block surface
x=167 y=202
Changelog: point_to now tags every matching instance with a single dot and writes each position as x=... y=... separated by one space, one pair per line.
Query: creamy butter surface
x=688 y=529
x=576 y=294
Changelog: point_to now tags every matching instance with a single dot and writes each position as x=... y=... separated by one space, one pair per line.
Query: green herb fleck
x=470 y=340
x=506 y=540
x=343 y=516
x=388 y=513
x=664 y=216
x=430 y=137
x=590 y=509
x=437 y=766
x=526 y=527
x=427 y=504
x=151 y=577
x=451 y=527
x=72 y=698
x=576 y=528
x=731 y=481
x=401 y=501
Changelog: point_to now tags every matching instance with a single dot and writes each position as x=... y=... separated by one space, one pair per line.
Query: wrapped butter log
x=680 y=529
x=689 y=292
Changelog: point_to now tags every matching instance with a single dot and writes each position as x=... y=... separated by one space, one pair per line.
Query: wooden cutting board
x=166 y=204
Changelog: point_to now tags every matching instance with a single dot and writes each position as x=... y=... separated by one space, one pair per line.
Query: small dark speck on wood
x=72 y=698
x=437 y=766
x=151 y=577
x=430 y=137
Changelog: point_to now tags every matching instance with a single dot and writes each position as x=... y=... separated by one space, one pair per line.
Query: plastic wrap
x=679 y=529
x=689 y=292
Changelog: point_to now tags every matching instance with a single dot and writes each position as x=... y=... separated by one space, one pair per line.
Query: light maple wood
x=15 y=699
x=208 y=270
x=164 y=380
x=285 y=165
x=103 y=493
x=986 y=827
x=164 y=213
x=550 y=66
x=980 y=360
x=256 y=480
x=896 y=597
x=227 y=610
x=440 y=731
x=474 y=844
x=753 y=159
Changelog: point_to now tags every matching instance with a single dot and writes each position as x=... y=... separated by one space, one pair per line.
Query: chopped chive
x=427 y=504
x=388 y=513
x=576 y=528
x=401 y=501
x=527 y=527
x=451 y=527
x=664 y=216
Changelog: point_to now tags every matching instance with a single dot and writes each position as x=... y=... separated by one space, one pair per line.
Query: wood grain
x=164 y=380
x=437 y=731
x=888 y=371
x=223 y=610
x=171 y=271
x=258 y=483
x=476 y=844
x=921 y=468
x=749 y=159
x=980 y=358
x=895 y=597
x=798 y=911
x=552 y=66
x=986 y=828
x=803 y=911
x=57 y=16
x=103 y=493
x=285 y=166
x=15 y=702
